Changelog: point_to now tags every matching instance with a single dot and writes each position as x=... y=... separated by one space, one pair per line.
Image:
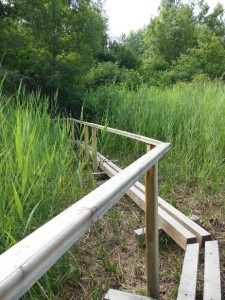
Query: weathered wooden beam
x=189 y=275
x=151 y=227
x=201 y=234
x=119 y=295
x=212 y=281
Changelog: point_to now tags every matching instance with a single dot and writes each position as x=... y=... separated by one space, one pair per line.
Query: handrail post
x=94 y=148
x=151 y=215
x=73 y=131
x=86 y=138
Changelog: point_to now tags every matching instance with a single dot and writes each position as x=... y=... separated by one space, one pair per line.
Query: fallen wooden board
x=201 y=234
x=119 y=295
x=212 y=282
x=189 y=275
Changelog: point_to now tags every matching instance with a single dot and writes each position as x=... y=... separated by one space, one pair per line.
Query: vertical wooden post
x=94 y=148
x=73 y=132
x=86 y=138
x=151 y=223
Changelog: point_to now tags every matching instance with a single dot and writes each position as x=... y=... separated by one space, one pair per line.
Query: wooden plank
x=201 y=234
x=212 y=281
x=134 y=136
x=189 y=275
x=151 y=237
x=119 y=295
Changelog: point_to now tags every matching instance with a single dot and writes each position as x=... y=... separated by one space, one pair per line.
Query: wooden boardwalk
x=186 y=233
x=23 y=264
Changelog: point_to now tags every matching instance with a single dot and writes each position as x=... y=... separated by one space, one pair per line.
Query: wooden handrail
x=23 y=264
x=134 y=136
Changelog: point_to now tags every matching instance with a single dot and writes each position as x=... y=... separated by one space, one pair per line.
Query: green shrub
x=107 y=73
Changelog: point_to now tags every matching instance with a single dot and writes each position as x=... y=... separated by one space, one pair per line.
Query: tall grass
x=189 y=116
x=39 y=177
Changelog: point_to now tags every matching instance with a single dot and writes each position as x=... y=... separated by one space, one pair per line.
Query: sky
x=127 y=15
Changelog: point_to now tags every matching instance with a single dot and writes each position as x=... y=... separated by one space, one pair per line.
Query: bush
x=107 y=73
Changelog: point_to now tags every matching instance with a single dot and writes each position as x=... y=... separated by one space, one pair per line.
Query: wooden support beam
x=73 y=131
x=189 y=275
x=212 y=281
x=151 y=227
x=94 y=149
x=119 y=295
x=86 y=142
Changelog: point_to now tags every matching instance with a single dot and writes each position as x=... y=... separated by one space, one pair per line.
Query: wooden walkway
x=24 y=263
x=186 y=233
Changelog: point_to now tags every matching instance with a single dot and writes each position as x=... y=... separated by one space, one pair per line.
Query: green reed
x=39 y=177
x=189 y=115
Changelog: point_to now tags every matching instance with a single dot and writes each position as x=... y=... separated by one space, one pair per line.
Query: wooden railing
x=23 y=264
x=189 y=235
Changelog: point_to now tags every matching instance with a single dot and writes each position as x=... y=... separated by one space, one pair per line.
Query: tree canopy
x=51 y=44
x=63 y=46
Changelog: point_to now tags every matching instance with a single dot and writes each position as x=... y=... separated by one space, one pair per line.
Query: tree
x=134 y=40
x=213 y=21
x=182 y=44
x=171 y=33
x=61 y=39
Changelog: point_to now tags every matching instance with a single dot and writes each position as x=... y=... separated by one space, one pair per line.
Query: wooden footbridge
x=23 y=264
